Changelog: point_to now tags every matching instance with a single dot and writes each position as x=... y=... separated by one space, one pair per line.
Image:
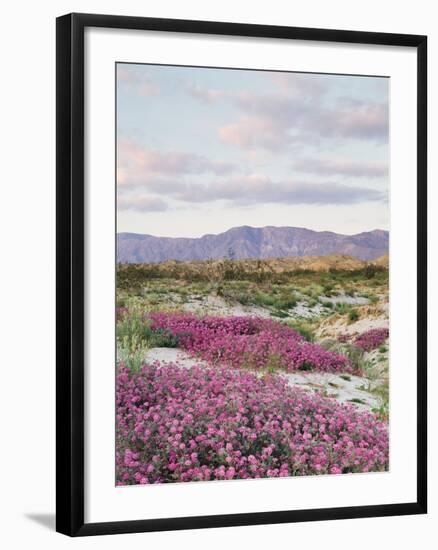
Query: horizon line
x=253 y=227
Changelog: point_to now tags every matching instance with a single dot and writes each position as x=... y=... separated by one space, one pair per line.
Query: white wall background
x=27 y=218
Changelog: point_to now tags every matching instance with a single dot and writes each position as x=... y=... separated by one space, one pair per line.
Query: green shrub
x=306 y=366
x=242 y=298
x=133 y=360
x=280 y=314
x=134 y=333
x=263 y=299
x=342 y=308
x=357 y=400
x=285 y=302
x=304 y=329
x=353 y=315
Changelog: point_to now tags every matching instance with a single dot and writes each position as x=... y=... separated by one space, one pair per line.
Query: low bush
x=353 y=315
x=304 y=329
x=135 y=332
x=354 y=354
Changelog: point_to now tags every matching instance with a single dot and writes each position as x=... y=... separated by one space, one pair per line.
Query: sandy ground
x=334 y=386
x=172 y=355
x=303 y=310
x=215 y=305
x=345 y=299
x=343 y=390
x=335 y=325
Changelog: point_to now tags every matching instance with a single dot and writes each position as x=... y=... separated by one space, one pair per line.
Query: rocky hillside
x=251 y=242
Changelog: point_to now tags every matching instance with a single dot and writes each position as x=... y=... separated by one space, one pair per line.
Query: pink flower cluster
x=372 y=339
x=121 y=312
x=198 y=424
x=248 y=342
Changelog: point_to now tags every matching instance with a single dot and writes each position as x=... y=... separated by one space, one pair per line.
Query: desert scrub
x=342 y=308
x=353 y=315
x=134 y=333
x=357 y=400
x=304 y=328
x=354 y=353
x=327 y=289
x=264 y=299
x=198 y=424
x=285 y=301
x=243 y=298
x=132 y=359
x=378 y=386
x=382 y=412
x=274 y=363
x=312 y=291
x=130 y=276
x=280 y=314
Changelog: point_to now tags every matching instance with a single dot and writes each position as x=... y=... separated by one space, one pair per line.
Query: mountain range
x=251 y=242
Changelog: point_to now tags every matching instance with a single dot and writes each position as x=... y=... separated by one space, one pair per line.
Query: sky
x=201 y=150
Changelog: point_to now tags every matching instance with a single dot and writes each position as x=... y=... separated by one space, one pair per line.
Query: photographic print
x=252 y=277
x=241 y=274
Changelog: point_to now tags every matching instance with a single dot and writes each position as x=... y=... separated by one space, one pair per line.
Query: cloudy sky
x=202 y=150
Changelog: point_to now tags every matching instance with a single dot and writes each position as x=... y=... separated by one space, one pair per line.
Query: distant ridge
x=251 y=242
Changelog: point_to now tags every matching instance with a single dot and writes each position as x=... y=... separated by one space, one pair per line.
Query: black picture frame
x=70 y=273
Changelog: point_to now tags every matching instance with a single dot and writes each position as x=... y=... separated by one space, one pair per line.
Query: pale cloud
x=341 y=167
x=277 y=121
x=141 y=82
x=137 y=164
x=148 y=89
x=209 y=95
x=293 y=85
x=126 y=75
x=260 y=189
x=299 y=85
x=365 y=121
x=297 y=112
x=254 y=132
x=141 y=204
